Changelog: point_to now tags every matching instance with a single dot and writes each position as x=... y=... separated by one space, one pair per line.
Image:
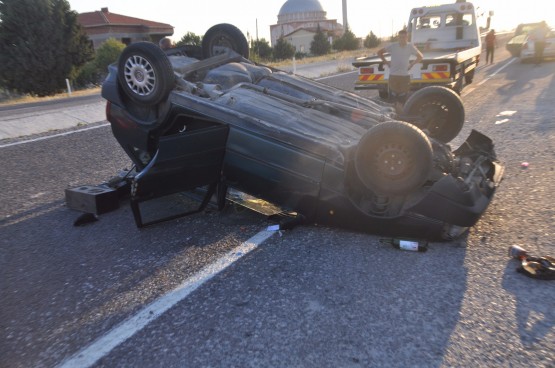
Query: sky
x=254 y=17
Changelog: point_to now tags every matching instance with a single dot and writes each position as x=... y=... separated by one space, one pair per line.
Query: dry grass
x=28 y=99
x=342 y=55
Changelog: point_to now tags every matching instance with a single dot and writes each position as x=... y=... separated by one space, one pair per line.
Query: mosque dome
x=300 y=6
x=295 y=10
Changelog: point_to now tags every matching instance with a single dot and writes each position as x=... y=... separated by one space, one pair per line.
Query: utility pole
x=345 y=19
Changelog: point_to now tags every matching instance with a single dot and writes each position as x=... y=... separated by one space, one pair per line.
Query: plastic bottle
x=404 y=244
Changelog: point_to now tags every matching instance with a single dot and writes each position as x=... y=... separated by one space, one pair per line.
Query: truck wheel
x=145 y=73
x=222 y=36
x=469 y=77
x=393 y=158
x=437 y=110
x=458 y=87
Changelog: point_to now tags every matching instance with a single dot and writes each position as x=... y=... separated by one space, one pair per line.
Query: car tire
x=393 y=158
x=145 y=73
x=224 y=35
x=384 y=94
x=469 y=77
x=439 y=111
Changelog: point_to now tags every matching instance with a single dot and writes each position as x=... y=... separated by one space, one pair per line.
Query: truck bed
x=447 y=55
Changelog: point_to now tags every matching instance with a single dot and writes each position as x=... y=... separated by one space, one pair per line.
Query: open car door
x=183 y=162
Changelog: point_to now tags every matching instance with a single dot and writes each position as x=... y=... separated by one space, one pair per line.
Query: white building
x=298 y=21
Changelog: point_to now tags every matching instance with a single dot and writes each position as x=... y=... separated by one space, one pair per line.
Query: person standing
x=165 y=43
x=538 y=36
x=491 y=44
x=399 y=65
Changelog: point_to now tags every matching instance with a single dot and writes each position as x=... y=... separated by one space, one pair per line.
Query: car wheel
x=515 y=53
x=145 y=73
x=384 y=94
x=393 y=158
x=437 y=110
x=222 y=36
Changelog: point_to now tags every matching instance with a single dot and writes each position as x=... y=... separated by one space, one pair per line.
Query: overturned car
x=210 y=118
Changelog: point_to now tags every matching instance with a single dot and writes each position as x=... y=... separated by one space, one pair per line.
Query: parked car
x=515 y=44
x=528 y=50
x=328 y=155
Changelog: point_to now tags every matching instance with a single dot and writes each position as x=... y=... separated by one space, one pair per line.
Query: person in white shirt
x=538 y=35
x=399 y=65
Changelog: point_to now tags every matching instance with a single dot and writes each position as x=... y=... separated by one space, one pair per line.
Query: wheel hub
x=139 y=75
x=392 y=161
x=433 y=116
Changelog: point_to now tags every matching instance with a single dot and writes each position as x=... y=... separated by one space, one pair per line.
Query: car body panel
x=515 y=44
x=527 y=52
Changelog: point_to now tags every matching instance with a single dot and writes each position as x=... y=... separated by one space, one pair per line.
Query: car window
x=428 y=22
x=458 y=19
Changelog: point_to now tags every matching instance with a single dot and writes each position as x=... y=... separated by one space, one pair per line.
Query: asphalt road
x=307 y=297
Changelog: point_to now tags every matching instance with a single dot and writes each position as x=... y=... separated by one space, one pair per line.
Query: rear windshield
x=436 y=21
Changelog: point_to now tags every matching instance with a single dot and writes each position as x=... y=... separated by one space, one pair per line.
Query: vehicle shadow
x=521 y=78
x=534 y=319
x=544 y=106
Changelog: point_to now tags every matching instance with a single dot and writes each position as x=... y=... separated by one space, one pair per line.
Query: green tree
x=190 y=39
x=107 y=54
x=87 y=75
x=346 y=42
x=320 y=44
x=96 y=70
x=262 y=49
x=41 y=44
x=283 y=49
x=371 y=41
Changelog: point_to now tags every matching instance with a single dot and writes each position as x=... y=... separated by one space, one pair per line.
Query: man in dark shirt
x=491 y=43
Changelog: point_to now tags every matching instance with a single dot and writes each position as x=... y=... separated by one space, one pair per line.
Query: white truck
x=449 y=38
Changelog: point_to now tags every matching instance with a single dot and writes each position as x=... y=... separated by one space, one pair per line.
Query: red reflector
x=366 y=70
x=440 y=68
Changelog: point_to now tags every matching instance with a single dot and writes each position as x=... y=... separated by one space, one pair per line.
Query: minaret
x=345 y=23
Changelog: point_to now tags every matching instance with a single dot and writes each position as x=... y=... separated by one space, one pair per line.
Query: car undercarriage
x=223 y=122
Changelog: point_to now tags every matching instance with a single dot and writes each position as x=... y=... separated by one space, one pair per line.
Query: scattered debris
x=92 y=199
x=403 y=244
x=542 y=268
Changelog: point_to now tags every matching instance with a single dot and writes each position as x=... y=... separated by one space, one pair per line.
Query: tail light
x=440 y=68
x=108 y=108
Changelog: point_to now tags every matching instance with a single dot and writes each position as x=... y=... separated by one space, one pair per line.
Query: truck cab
x=448 y=37
x=447 y=27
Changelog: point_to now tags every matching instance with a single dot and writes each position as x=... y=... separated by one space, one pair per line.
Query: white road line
x=497 y=71
x=52 y=136
x=103 y=345
x=335 y=75
x=469 y=90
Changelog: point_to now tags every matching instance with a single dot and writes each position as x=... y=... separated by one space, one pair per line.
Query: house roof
x=104 y=17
